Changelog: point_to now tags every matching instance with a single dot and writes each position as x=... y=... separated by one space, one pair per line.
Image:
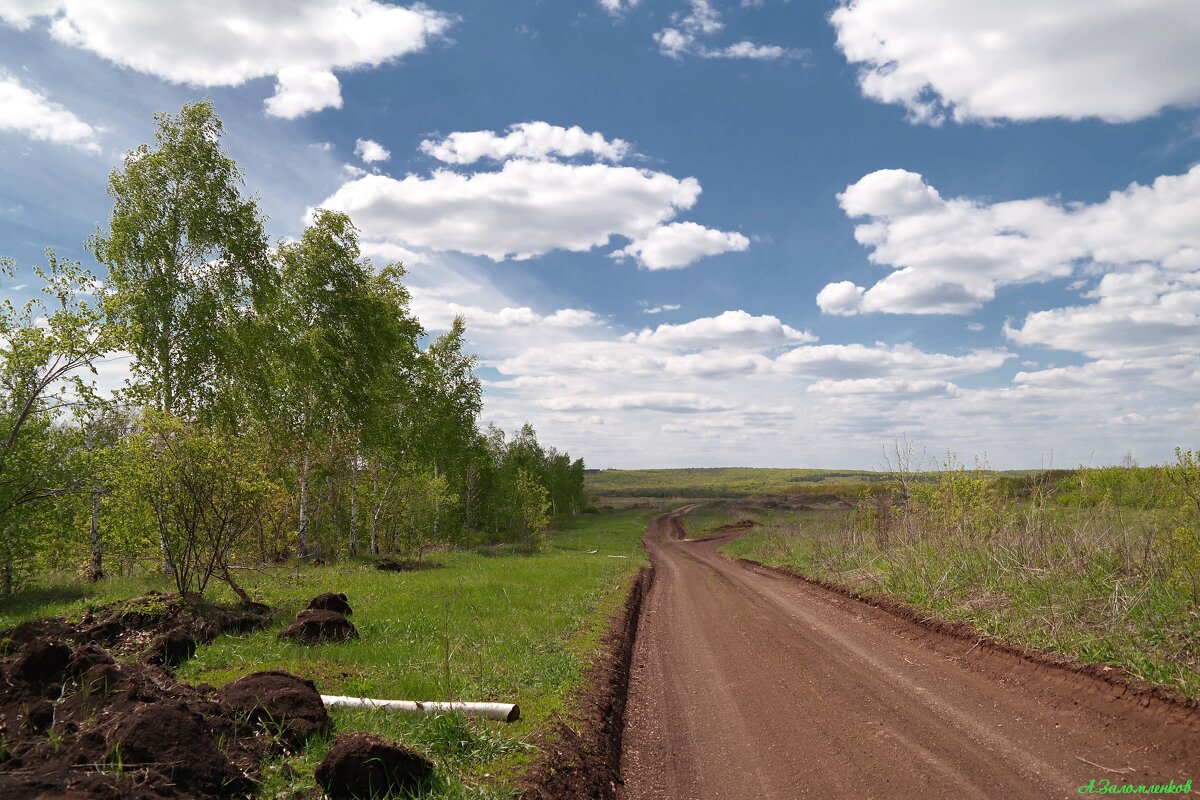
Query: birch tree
x=345 y=342
x=47 y=347
x=187 y=258
x=447 y=400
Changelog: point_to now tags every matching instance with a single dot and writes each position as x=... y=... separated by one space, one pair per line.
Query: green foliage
x=295 y=383
x=344 y=351
x=44 y=347
x=187 y=259
x=501 y=461
x=344 y=341
x=1182 y=529
x=203 y=492
x=964 y=502
x=419 y=498
x=533 y=500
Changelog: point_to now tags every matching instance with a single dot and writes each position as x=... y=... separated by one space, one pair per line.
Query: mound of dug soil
x=289 y=707
x=156 y=627
x=171 y=735
x=362 y=765
x=740 y=525
x=314 y=627
x=172 y=648
x=331 y=602
x=404 y=565
x=77 y=723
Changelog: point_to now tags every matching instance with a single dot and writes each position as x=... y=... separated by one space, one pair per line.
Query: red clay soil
x=747 y=682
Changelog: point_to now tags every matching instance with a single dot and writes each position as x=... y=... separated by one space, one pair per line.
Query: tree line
x=283 y=401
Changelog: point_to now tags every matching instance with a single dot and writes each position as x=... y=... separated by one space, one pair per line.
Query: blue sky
x=700 y=233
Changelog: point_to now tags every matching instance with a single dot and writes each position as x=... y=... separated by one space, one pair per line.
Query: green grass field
x=723 y=482
x=495 y=625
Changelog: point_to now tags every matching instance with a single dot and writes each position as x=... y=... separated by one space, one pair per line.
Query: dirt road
x=750 y=684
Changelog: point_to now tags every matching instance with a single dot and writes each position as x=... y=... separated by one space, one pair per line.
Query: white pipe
x=502 y=712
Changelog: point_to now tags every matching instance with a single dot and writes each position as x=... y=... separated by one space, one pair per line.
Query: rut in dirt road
x=751 y=684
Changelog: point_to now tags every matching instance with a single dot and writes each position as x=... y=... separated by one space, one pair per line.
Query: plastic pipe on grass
x=502 y=712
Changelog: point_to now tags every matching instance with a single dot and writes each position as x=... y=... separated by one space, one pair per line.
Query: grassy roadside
x=1074 y=595
x=495 y=625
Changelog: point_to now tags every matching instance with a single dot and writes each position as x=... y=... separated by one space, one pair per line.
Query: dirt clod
x=86 y=657
x=40 y=716
x=138 y=627
x=93 y=727
x=42 y=662
x=288 y=706
x=362 y=765
x=331 y=602
x=404 y=565
x=172 y=648
x=87 y=710
x=313 y=626
x=174 y=739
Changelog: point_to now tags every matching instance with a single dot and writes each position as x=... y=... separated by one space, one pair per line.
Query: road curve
x=751 y=684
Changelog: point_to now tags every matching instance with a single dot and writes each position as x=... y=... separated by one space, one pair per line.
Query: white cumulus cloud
x=679 y=244
x=229 y=42
x=370 y=151
x=524 y=210
x=301 y=90
x=729 y=329
x=689 y=32
x=1024 y=59
x=948 y=256
x=1147 y=311
x=842 y=362
x=535 y=202
x=671 y=402
x=533 y=140
x=618 y=7
x=24 y=111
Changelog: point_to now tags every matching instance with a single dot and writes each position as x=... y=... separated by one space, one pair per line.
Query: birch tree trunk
x=354 y=466
x=437 y=507
x=7 y=586
x=97 y=570
x=302 y=540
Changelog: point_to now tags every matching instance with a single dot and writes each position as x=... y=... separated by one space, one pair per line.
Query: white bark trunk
x=354 y=505
x=302 y=540
x=97 y=571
